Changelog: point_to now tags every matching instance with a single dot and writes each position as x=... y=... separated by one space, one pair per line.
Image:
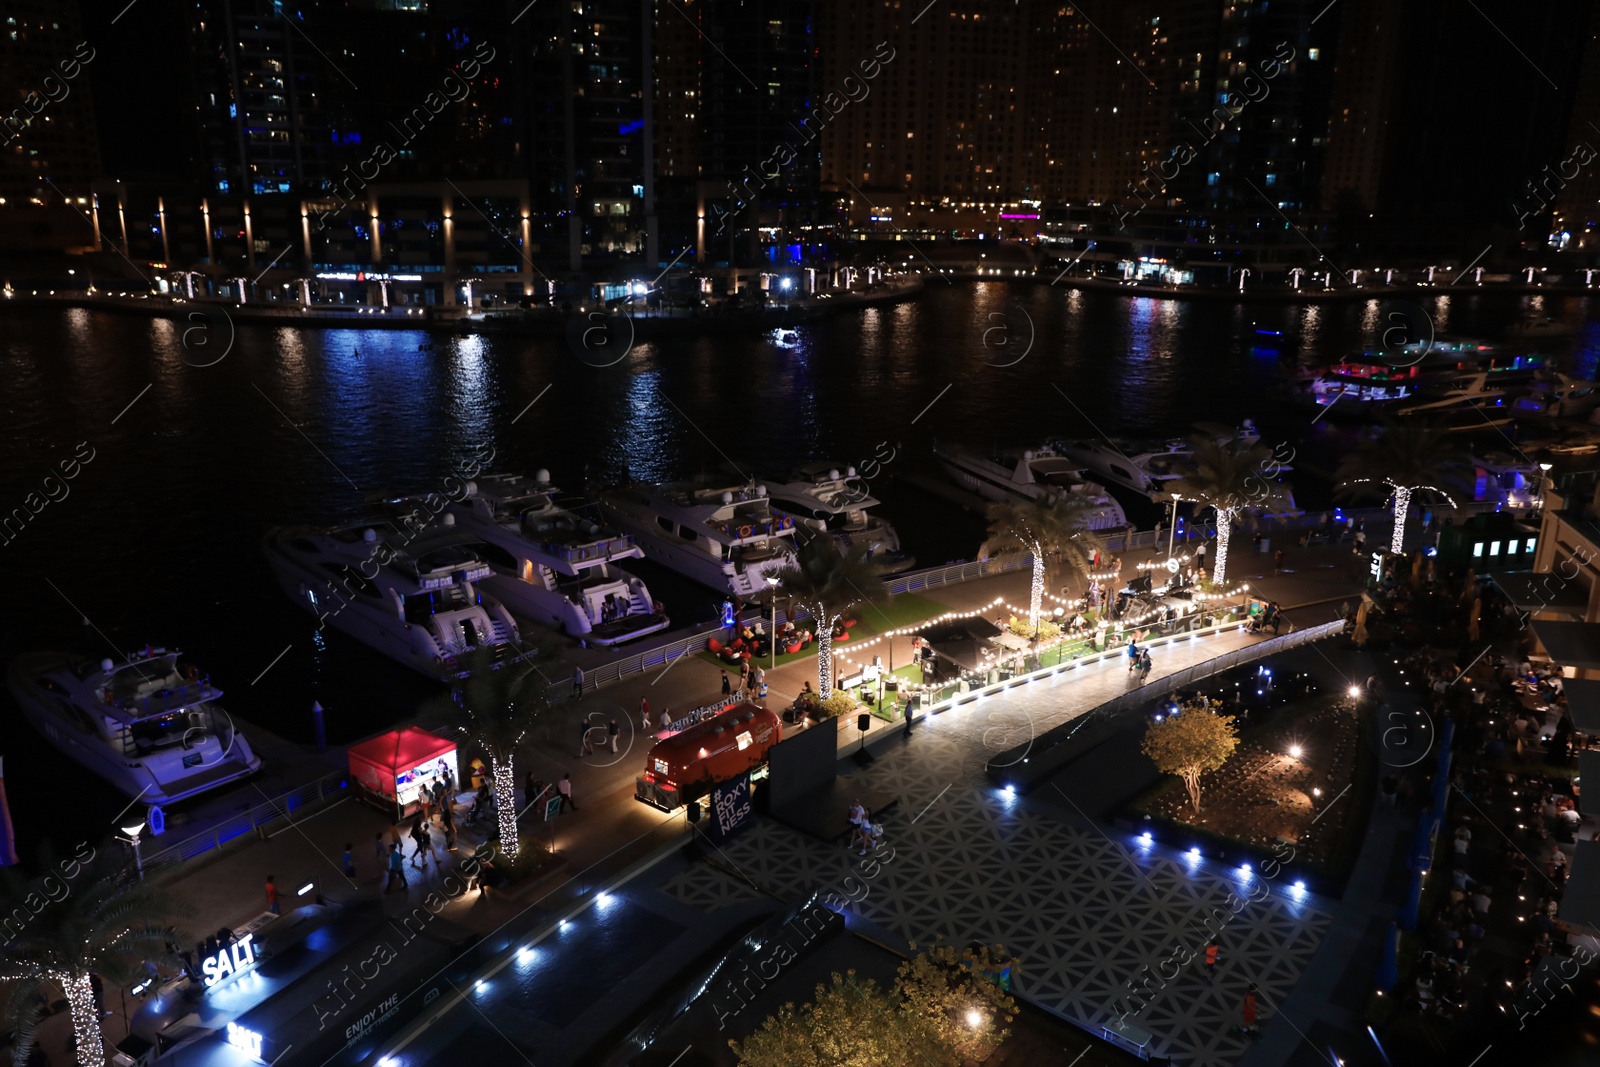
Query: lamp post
x=133 y=833
x=772 y=582
x=1544 y=481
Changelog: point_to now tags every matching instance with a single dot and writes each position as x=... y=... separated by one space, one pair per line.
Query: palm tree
x=107 y=924
x=827 y=584
x=1229 y=477
x=1054 y=531
x=501 y=706
x=1409 y=457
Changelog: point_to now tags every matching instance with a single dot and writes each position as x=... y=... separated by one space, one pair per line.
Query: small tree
x=955 y=997
x=828 y=584
x=851 y=1023
x=1054 y=531
x=108 y=923
x=500 y=706
x=1192 y=741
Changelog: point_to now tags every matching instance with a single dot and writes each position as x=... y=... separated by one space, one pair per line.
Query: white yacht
x=1143 y=466
x=822 y=498
x=1474 y=390
x=1027 y=474
x=1504 y=483
x=148 y=725
x=1558 y=397
x=409 y=591
x=726 y=536
x=552 y=565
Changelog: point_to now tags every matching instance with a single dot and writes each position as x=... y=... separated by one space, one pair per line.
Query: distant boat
x=1536 y=326
x=1010 y=475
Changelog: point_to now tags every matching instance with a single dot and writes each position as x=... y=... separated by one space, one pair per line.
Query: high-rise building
x=48 y=145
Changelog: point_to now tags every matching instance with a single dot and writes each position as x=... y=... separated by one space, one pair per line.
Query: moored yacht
x=1464 y=392
x=726 y=536
x=148 y=725
x=1006 y=475
x=1504 y=483
x=553 y=565
x=820 y=497
x=410 y=592
x=1363 y=380
x=1559 y=396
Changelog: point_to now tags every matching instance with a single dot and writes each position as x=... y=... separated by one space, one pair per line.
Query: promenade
x=989 y=842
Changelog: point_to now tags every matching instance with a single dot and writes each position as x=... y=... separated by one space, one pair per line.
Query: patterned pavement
x=1086 y=914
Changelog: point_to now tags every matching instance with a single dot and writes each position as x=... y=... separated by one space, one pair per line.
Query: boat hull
x=132 y=778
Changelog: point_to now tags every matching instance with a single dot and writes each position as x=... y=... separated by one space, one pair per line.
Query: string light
x=85 y=1017
x=505 y=795
x=1400 y=504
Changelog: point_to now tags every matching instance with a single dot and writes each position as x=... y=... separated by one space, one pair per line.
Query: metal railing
x=254 y=818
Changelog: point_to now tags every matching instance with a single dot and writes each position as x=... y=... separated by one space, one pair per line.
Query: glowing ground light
x=974 y=1019
x=605 y=900
x=525 y=954
x=1010 y=790
x=1295 y=750
x=388 y=1061
x=1355 y=691
x=481 y=986
x=563 y=924
x=1244 y=870
x=1194 y=853
x=1146 y=838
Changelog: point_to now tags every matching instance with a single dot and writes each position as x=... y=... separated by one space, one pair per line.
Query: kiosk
x=391 y=769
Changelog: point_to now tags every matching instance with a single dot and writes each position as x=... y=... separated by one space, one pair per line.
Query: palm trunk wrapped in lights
x=85 y=1019
x=1224 y=530
x=1036 y=592
x=1402 y=507
x=825 y=655
x=505 y=799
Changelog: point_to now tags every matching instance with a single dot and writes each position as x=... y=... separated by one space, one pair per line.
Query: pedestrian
x=565 y=789
x=1200 y=556
x=419 y=858
x=584 y=748
x=871 y=836
x=1133 y=655
x=380 y=849
x=1249 y=1012
x=1277 y=617
x=450 y=837
x=431 y=843
x=1277 y=562
x=760 y=680
x=644 y=714
x=577 y=681
x=424 y=805
x=611 y=732
x=744 y=675
x=727 y=688
x=1360 y=543
x=349 y=860
x=1144 y=664
x=272 y=897
x=858 y=815
x=1211 y=961
x=666 y=719
x=397 y=869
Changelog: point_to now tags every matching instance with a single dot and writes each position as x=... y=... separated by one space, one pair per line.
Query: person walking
x=349 y=860
x=584 y=748
x=1277 y=562
x=611 y=733
x=644 y=714
x=1133 y=655
x=565 y=789
x=380 y=851
x=272 y=896
x=1211 y=961
x=666 y=719
x=1248 y=1013
x=759 y=680
x=577 y=681
x=397 y=869
x=1144 y=664
x=419 y=858
x=727 y=688
x=431 y=843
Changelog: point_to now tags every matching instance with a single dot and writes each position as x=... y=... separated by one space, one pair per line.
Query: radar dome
x=727 y=498
x=369 y=535
x=106 y=665
x=470 y=490
x=833 y=475
x=541 y=475
x=449 y=520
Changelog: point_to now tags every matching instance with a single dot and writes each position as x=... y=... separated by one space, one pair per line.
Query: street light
x=773 y=582
x=133 y=833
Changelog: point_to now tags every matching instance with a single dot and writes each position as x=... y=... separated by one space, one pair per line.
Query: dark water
x=158 y=539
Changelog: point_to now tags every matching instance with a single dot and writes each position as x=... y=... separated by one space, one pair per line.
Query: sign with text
x=731 y=809
x=229 y=960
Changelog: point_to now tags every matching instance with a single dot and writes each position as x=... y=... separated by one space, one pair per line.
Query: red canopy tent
x=392 y=768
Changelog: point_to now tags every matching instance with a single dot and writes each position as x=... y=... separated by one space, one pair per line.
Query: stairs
x=500 y=633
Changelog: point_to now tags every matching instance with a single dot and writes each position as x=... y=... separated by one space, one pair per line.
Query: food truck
x=392 y=768
x=686 y=766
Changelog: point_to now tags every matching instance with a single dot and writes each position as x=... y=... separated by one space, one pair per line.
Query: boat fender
x=744 y=531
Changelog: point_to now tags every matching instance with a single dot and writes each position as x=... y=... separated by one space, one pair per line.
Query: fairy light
x=505 y=795
x=1036 y=590
x=85 y=1017
x=1224 y=529
x=1400 y=504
